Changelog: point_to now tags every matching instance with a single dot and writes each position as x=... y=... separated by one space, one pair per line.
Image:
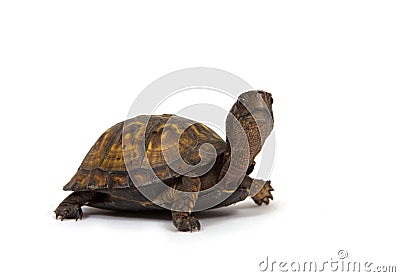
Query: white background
x=71 y=69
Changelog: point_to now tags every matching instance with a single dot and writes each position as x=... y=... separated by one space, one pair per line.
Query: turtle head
x=253 y=110
x=256 y=104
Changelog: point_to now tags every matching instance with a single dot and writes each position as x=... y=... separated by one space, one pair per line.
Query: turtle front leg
x=186 y=194
x=70 y=207
x=259 y=190
x=262 y=195
x=181 y=198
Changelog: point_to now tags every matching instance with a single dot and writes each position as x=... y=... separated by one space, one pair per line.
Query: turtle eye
x=243 y=100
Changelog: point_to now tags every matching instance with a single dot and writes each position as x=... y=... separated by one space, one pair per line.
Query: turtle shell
x=145 y=146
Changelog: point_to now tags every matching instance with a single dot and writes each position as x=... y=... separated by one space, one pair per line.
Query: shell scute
x=149 y=148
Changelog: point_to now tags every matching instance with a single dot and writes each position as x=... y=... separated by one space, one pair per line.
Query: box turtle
x=133 y=167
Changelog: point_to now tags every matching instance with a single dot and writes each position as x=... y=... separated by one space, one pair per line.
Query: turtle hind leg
x=70 y=207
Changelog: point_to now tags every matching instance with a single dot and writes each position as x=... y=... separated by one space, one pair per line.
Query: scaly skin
x=253 y=111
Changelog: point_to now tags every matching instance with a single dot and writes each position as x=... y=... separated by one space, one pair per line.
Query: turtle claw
x=68 y=211
x=264 y=195
x=190 y=224
x=187 y=223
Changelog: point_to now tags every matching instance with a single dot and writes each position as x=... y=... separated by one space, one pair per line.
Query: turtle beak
x=256 y=103
x=257 y=107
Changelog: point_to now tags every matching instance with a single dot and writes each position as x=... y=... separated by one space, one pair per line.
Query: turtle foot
x=68 y=211
x=184 y=222
x=264 y=195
